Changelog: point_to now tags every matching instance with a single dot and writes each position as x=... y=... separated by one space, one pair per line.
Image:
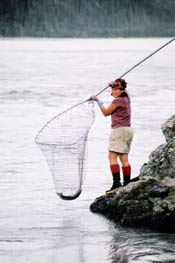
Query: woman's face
x=115 y=92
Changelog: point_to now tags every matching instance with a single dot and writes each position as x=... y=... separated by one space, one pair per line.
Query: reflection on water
x=140 y=245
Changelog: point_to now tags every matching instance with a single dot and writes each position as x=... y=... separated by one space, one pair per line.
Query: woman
x=121 y=132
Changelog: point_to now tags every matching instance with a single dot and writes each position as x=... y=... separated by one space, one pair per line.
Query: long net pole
x=129 y=70
x=140 y=62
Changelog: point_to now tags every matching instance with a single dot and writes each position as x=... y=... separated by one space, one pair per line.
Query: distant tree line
x=90 y=18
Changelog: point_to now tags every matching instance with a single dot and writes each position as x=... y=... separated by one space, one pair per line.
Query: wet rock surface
x=168 y=128
x=149 y=202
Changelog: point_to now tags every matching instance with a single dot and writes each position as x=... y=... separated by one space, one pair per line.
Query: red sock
x=126 y=174
x=126 y=170
x=115 y=168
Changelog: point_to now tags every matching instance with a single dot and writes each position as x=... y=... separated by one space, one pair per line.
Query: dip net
x=63 y=141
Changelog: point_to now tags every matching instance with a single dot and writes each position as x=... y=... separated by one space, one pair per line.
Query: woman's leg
x=113 y=158
x=124 y=159
x=126 y=168
x=115 y=170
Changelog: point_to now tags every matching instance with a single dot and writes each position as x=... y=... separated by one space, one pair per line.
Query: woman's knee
x=113 y=157
x=124 y=159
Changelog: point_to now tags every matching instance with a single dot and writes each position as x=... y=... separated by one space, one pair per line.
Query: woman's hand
x=95 y=98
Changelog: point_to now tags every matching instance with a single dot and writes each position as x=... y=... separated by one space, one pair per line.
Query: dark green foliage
x=92 y=18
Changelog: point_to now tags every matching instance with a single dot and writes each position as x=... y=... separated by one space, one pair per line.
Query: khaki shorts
x=120 y=139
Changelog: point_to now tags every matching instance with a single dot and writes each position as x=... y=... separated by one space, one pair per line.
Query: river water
x=40 y=78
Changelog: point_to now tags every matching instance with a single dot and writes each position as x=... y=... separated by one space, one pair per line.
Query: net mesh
x=63 y=141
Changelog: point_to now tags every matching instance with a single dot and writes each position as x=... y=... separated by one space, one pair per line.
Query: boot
x=126 y=174
x=115 y=169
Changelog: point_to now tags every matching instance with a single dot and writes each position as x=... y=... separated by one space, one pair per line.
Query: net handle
x=140 y=62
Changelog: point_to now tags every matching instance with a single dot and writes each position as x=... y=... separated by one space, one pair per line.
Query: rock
x=168 y=128
x=161 y=162
x=162 y=159
x=149 y=202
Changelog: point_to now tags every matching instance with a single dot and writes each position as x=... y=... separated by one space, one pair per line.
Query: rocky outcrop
x=162 y=160
x=149 y=202
x=168 y=128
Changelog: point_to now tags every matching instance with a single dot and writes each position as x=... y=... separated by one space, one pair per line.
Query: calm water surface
x=40 y=78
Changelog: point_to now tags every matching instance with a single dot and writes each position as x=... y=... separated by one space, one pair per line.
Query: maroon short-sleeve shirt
x=121 y=117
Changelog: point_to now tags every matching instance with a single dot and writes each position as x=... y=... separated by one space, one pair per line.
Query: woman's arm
x=106 y=111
